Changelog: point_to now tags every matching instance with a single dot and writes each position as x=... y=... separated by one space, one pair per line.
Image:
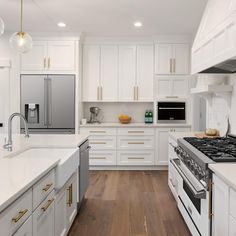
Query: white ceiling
x=106 y=17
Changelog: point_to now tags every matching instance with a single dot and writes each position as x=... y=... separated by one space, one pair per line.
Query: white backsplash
x=220 y=110
x=111 y=111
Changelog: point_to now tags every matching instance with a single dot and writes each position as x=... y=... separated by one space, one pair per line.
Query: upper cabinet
x=172 y=59
x=118 y=73
x=50 y=56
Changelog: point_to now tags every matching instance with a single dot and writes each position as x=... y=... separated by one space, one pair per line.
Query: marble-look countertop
x=225 y=171
x=178 y=135
x=18 y=174
x=135 y=125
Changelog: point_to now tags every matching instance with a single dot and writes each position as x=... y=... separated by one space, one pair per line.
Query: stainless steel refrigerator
x=48 y=103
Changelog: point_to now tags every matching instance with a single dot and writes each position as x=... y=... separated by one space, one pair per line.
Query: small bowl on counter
x=125 y=119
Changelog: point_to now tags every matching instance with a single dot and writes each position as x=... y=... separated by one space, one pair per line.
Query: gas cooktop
x=217 y=149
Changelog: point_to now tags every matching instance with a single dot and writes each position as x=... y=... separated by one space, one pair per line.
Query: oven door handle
x=200 y=194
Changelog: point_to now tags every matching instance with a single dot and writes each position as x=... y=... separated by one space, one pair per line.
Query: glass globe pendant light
x=1 y=26
x=21 y=41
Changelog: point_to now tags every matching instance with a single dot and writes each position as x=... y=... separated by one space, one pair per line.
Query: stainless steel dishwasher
x=83 y=170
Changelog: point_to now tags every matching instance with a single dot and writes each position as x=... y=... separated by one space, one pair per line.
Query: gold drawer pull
x=136 y=158
x=135 y=142
x=50 y=201
x=70 y=190
x=98 y=143
x=20 y=215
x=97 y=158
x=49 y=62
x=44 y=62
x=171 y=96
x=47 y=187
x=97 y=131
x=136 y=132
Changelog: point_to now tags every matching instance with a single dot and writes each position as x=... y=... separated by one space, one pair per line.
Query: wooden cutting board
x=203 y=135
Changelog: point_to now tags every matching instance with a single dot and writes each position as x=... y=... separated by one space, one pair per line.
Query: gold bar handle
x=49 y=62
x=98 y=93
x=174 y=65
x=135 y=142
x=97 y=158
x=20 y=215
x=136 y=158
x=171 y=96
x=97 y=131
x=47 y=187
x=101 y=97
x=134 y=93
x=137 y=93
x=98 y=143
x=49 y=202
x=70 y=190
x=171 y=65
x=44 y=62
x=136 y=132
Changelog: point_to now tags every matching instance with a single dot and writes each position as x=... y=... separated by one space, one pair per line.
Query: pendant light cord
x=21 y=16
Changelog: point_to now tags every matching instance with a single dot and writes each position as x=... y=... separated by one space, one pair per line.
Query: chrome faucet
x=8 y=145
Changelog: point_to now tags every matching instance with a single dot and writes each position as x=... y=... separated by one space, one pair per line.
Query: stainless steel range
x=195 y=185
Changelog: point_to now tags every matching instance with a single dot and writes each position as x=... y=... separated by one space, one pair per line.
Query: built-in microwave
x=171 y=112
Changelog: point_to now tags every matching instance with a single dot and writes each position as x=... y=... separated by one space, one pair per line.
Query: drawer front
x=135 y=142
x=99 y=131
x=136 y=131
x=232 y=203
x=102 y=158
x=102 y=142
x=171 y=146
x=132 y=158
x=26 y=229
x=43 y=188
x=13 y=217
x=173 y=180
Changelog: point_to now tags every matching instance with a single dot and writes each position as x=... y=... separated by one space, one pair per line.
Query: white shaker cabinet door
x=109 y=73
x=61 y=56
x=91 y=72
x=127 y=72
x=145 y=72
x=180 y=87
x=25 y=229
x=181 y=55
x=35 y=59
x=220 y=203
x=163 y=56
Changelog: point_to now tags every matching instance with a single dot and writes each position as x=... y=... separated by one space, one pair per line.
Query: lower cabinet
x=43 y=217
x=25 y=229
x=232 y=226
x=162 y=137
x=66 y=206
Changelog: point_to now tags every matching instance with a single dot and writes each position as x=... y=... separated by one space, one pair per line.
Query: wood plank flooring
x=129 y=203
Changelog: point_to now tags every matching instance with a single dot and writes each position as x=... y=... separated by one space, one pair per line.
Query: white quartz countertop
x=225 y=171
x=141 y=125
x=18 y=174
x=178 y=135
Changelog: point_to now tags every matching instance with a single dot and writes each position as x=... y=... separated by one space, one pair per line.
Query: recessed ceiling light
x=61 y=24
x=138 y=24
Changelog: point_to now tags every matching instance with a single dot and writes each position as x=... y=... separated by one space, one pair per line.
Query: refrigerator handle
x=49 y=101
x=45 y=102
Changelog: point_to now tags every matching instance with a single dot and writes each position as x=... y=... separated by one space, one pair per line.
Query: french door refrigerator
x=48 y=103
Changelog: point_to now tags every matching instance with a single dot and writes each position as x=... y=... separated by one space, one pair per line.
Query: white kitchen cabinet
x=35 y=59
x=61 y=55
x=232 y=226
x=220 y=207
x=71 y=209
x=44 y=218
x=50 y=57
x=172 y=59
x=162 y=137
x=61 y=213
x=91 y=72
x=171 y=87
x=109 y=73
x=127 y=73
x=102 y=158
x=145 y=72
x=25 y=229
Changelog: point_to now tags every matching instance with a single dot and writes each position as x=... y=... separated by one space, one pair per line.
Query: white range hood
x=214 y=47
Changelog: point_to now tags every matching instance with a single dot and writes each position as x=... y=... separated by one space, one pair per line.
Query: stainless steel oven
x=193 y=200
x=171 y=112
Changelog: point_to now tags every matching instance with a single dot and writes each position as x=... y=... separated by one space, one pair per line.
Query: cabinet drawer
x=13 y=217
x=232 y=226
x=26 y=229
x=173 y=180
x=102 y=142
x=43 y=188
x=102 y=158
x=135 y=158
x=232 y=203
x=136 y=131
x=135 y=142
x=99 y=131
x=172 y=144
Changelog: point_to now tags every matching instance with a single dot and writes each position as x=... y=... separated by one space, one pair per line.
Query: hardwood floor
x=129 y=203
